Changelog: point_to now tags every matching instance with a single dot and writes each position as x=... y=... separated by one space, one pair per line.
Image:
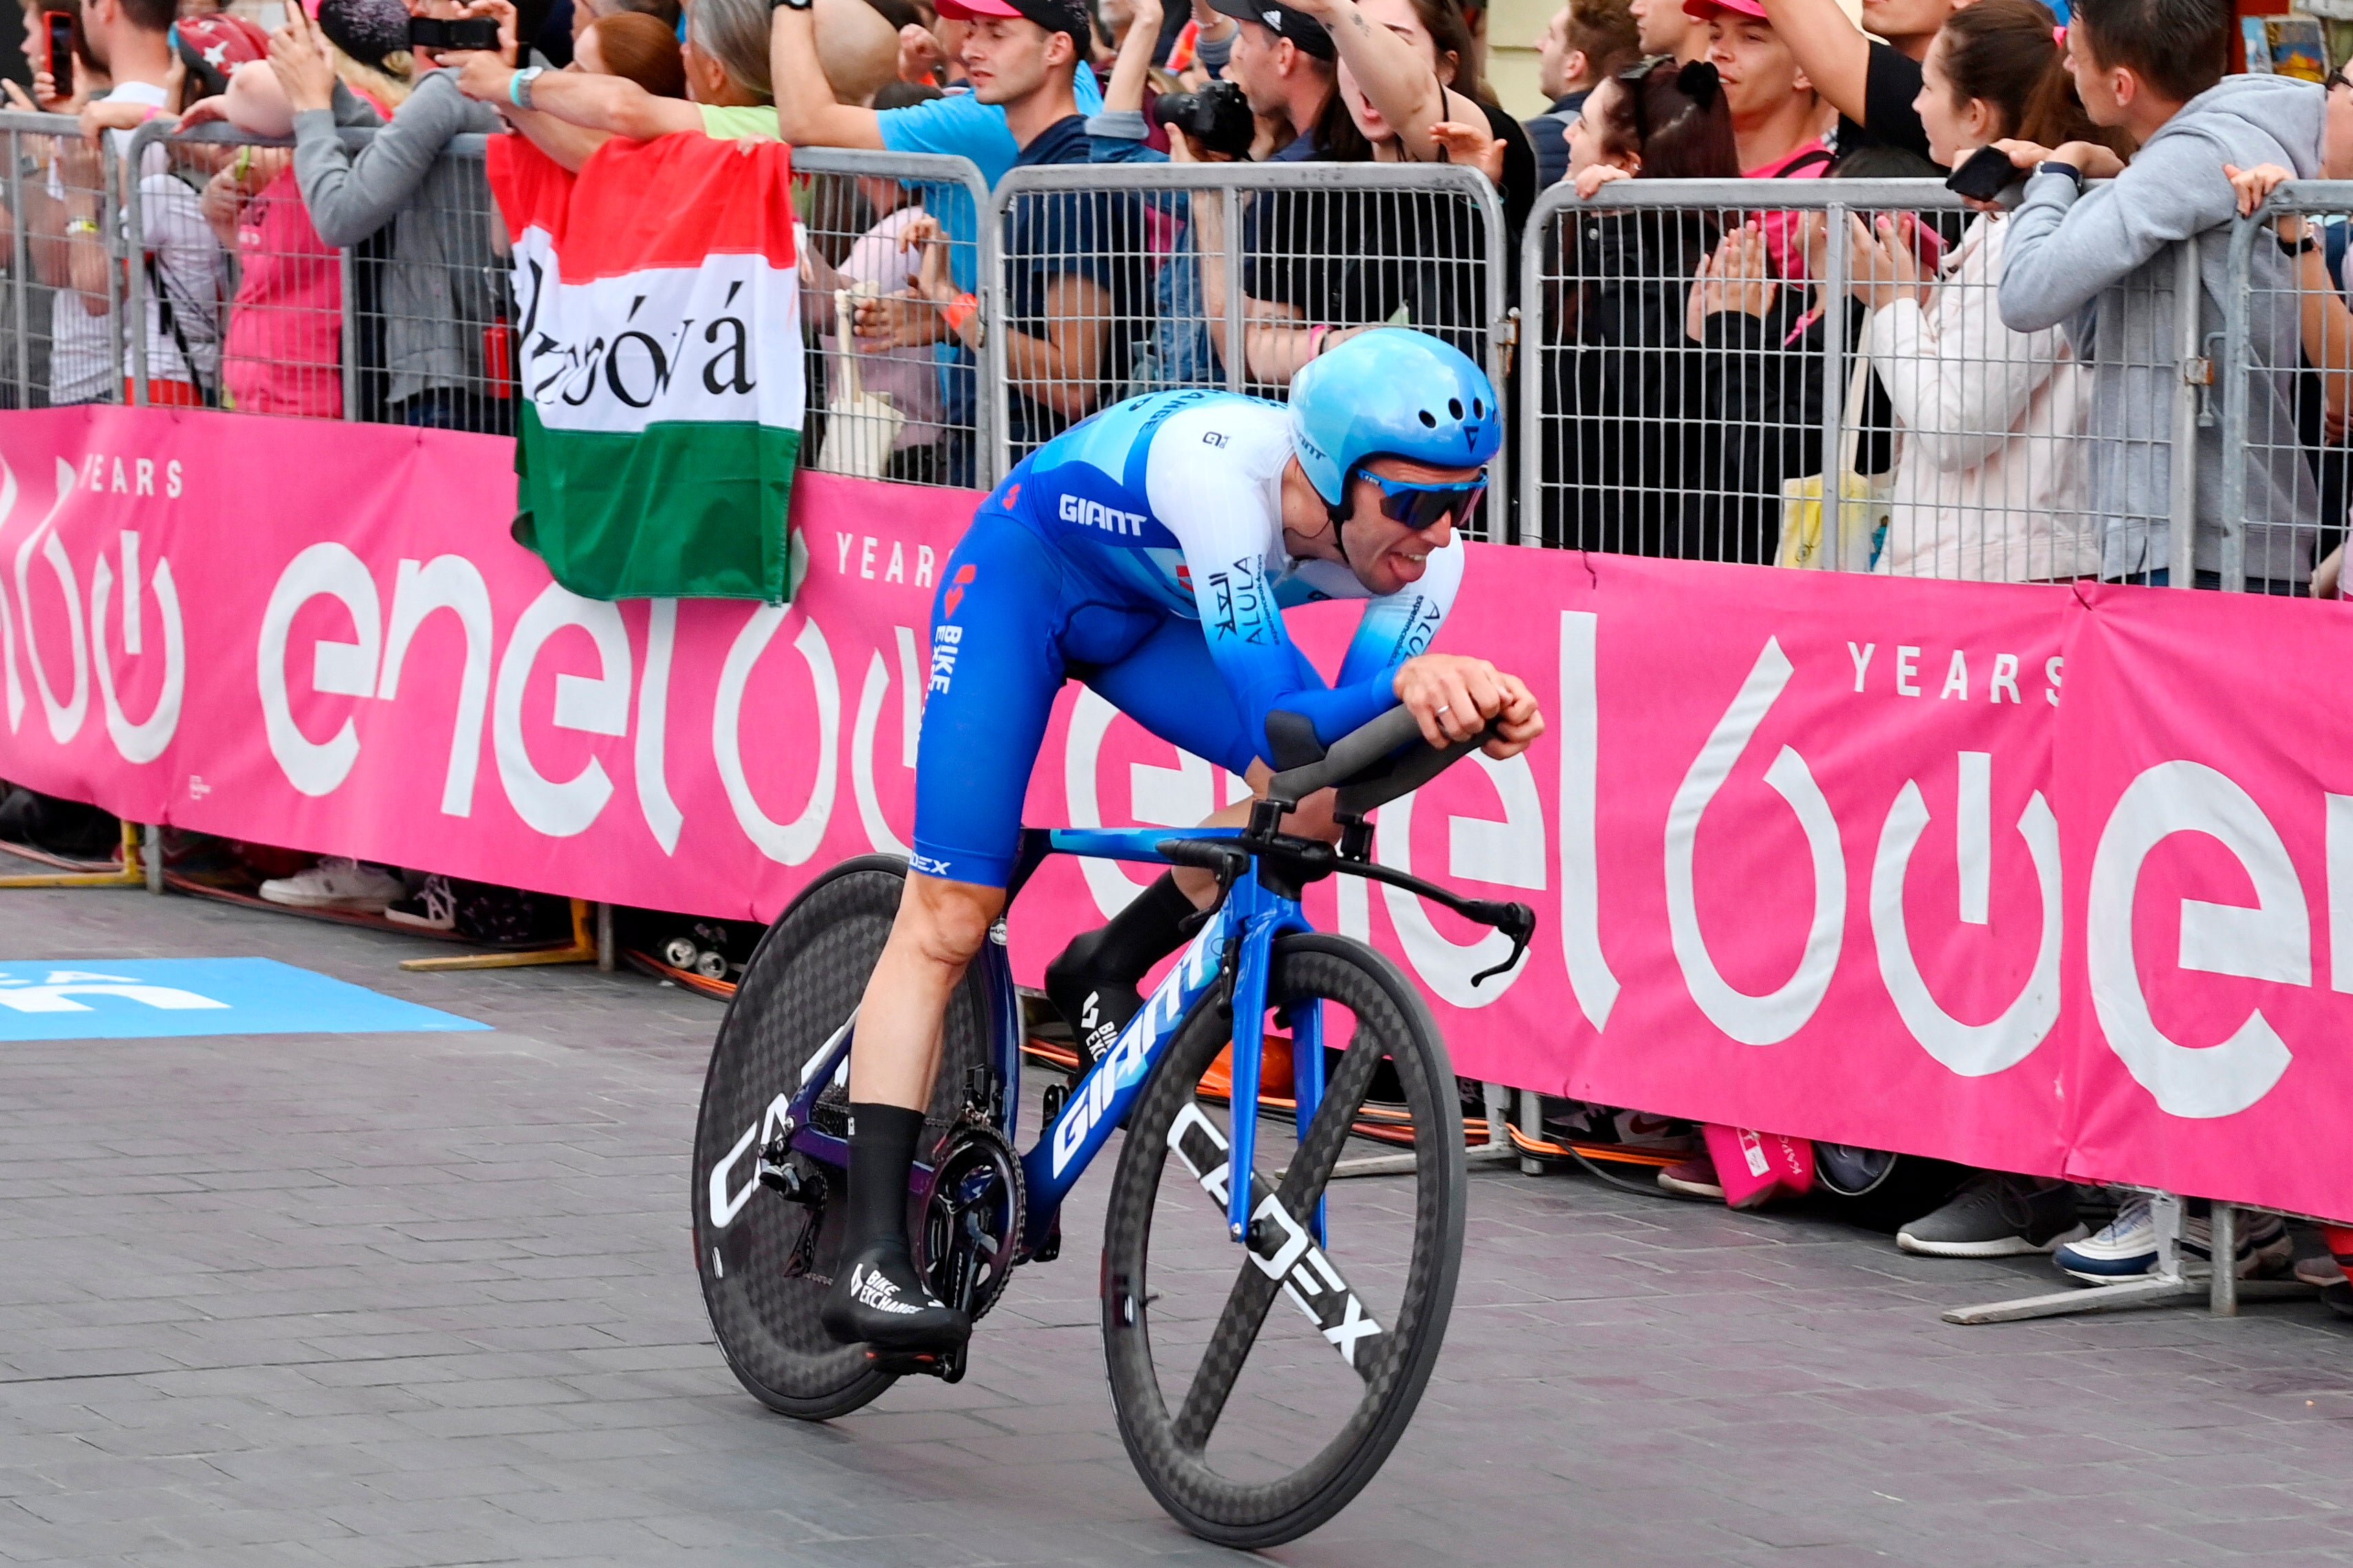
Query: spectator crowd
x=1979 y=393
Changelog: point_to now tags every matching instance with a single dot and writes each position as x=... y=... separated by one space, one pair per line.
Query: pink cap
x=965 y=10
x=1701 y=10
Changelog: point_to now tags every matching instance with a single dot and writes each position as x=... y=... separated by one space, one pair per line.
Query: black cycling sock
x=1139 y=936
x=881 y=1152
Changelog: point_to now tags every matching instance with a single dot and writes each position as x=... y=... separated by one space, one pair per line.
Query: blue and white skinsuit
x=1141 y=552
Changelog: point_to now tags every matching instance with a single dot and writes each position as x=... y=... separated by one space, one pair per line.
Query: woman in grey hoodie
x=2101 y=261
x=434 y=283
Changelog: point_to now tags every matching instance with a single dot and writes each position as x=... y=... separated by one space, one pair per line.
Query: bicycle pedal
x=948 y=1365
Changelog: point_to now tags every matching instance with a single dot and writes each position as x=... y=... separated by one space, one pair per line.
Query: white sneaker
x=337 y=882
x=2127 y=1248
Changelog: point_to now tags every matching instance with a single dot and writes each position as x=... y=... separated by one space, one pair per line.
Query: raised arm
x=611 y=104
x=1125 y=90
x=1831 y=50
x=569 y=145
x=1395 y=78
x=1060 y=366
x=807 y=112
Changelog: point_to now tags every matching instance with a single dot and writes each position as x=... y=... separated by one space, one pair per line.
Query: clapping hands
x=1734 y=277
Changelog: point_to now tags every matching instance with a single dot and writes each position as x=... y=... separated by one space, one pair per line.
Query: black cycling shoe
x=1095 y=1003
x=880 y=1299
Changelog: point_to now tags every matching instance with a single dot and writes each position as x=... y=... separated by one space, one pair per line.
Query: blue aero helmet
x=1392 y=392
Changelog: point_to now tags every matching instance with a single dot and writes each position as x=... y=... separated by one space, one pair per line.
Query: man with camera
x=1284 y=61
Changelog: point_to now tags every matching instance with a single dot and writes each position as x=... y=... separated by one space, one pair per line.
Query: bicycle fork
x=1248 y=959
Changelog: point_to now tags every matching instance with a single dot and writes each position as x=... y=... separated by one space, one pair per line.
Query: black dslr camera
x=1217 y=117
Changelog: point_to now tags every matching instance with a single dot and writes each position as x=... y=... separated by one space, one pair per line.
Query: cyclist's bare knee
x=943 y=923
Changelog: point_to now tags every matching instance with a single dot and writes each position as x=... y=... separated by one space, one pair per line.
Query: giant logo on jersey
x=1094 y=514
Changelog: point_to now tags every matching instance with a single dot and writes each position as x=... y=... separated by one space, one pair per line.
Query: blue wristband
x=2052 y=166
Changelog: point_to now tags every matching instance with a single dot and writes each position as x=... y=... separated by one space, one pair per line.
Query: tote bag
x=1859 y=540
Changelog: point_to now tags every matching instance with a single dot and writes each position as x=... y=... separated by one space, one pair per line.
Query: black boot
x=1093 y=983
x=66 y=828
x=879 y=1297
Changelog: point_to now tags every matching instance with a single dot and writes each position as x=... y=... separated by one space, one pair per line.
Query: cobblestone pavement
x=398 y=1300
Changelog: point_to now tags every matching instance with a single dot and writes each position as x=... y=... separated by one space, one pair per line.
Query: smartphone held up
x=450 y=35
x=57 y=30
x=1984 y=176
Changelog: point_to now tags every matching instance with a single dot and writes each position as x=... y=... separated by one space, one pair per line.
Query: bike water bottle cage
x=1419 y=504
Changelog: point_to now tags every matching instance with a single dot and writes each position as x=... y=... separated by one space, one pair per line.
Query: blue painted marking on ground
x=136 y=998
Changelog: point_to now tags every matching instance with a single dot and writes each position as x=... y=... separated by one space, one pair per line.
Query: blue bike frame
x=1241 y=933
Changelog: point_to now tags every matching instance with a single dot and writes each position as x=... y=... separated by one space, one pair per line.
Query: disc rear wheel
x=1253 y=1426
x=766 y=1259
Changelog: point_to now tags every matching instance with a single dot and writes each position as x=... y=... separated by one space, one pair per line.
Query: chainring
x=972 y=1221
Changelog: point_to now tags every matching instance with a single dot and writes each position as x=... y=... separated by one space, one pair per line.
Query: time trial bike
x=1249 y=1430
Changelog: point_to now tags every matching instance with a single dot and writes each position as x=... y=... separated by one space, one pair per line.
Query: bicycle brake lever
x=1516 y=920
x=1218 y=856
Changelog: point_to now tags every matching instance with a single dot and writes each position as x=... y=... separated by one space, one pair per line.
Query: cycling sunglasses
x=1420 y=506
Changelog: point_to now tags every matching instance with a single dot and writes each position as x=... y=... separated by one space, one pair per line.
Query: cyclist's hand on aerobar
x=1454 y=697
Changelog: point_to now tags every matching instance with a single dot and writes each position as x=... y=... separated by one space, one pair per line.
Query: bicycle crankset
x=972 y=1224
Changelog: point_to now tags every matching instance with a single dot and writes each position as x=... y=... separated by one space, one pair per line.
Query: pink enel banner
x=1820 y=854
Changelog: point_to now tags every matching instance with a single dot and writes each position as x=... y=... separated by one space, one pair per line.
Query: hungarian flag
x=658 y=362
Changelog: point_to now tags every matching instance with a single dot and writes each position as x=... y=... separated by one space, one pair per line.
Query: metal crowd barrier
x=1148 y=255
x=410 y=319
x=2278 y=314
x=1709 y=377
x=908 y=406
x=1700 y=373
x=391 y=311
x=63 y=321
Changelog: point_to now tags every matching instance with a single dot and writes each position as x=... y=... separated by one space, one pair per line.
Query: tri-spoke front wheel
x=1253 y=1426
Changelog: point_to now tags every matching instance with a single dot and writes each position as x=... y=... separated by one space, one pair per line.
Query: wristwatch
x=519 y=86
x=2303 y=247
x=2052 y=166
x=790 y=4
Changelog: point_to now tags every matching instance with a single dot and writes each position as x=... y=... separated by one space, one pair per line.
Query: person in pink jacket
x=284 y=349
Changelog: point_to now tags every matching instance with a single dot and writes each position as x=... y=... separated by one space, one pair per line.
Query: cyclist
x=1149 y=552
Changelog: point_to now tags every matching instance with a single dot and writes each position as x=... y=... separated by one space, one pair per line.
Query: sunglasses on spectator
x=1418 y=505
x=2336 y=79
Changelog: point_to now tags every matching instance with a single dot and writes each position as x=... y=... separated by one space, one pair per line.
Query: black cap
x=1284 y=22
